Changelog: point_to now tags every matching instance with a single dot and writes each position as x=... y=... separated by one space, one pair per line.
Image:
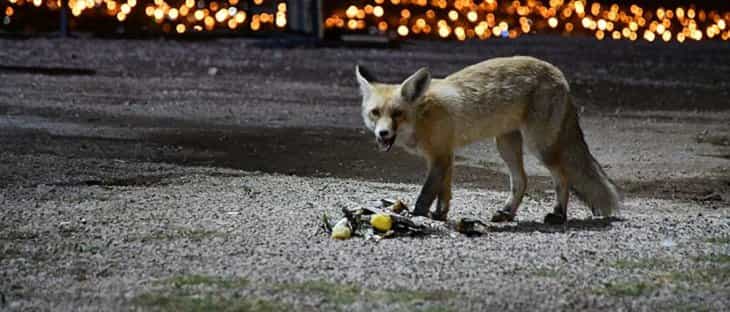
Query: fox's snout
x=385 y=134
x=385 y=138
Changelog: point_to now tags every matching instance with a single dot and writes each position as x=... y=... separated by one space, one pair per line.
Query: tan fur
x=517 y=100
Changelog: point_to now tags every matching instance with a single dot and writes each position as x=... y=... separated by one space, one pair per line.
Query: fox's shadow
x=589 y=225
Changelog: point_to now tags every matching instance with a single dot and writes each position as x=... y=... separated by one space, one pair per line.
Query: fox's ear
x=365 y=86
x=416 y=85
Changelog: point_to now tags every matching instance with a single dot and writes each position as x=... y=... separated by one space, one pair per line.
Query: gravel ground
x=191 y=175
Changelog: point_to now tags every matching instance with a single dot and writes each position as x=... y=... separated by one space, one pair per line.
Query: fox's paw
x=555 y=218
x=438 y=216
x=503 y=216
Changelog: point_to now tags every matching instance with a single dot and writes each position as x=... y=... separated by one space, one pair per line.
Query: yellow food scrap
x=381 y=222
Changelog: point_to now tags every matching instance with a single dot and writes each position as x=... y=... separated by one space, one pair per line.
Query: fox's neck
x=442 y=90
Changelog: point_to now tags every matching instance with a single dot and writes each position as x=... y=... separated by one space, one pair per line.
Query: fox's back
x=511 y=77
x=494 y=95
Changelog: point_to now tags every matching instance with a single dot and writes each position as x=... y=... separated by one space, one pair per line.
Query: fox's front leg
x=438 y=184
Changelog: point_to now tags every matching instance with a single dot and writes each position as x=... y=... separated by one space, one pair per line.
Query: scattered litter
x=392 y=218
x=668 y=243
x=212 y=71
x=342 y=230
x=381 y=222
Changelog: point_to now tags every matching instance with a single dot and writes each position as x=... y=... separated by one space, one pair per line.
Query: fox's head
x=389 y=109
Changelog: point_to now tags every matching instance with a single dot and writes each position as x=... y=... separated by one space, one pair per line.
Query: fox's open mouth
x=385 y=144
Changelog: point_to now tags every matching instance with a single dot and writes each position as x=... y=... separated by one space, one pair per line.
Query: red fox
x=517 y=100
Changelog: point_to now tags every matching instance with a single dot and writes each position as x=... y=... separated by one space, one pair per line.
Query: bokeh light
x=469 y=19
x=176 y=16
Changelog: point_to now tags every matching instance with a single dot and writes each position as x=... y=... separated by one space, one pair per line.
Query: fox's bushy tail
x=585 y=175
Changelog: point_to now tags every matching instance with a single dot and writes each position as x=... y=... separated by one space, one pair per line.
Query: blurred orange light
x=472 y=16
x=453 y=15
x=173 y=14
x=351 y=11
x=159 y=14
x=378 y=11
x=209 y=23
x=600 y=35
x=240 y=17
x=568 y=27
x=444 y=31
x=649 y=36
x=281 y=19
x=616 y=35
x=595 y=8
x=382 y=26
x=221 y=16
x=667 y=36
x=199 y=15
x=553 y=22
x=405 y=13
x=459 y=32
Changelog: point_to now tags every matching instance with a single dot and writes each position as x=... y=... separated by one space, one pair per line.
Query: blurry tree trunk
x=305 y=16
x=63 y=27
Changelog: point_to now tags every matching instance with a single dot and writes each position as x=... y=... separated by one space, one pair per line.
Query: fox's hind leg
x=510 y=149
x=560 y=210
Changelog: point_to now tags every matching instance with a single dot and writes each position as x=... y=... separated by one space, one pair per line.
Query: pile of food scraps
x=392 y=218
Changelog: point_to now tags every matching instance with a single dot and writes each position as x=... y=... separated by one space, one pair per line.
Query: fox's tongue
x=385 y=145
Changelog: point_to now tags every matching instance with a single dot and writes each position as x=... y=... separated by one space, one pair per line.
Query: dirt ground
x=192 y=175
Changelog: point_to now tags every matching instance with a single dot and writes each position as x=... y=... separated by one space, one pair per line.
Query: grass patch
x=627 y=289
x=406 y=295
x=342 y=294
x=10 y=253
x=547 y=272
x=184 y=303
x=15 y=235
x=643 y=263
x=183 y=293
x=687 y=307
x=212 y=293
x=702 y=277
x=213 y=281
x=686 y=280
x=719 y=140
x=337 y=293
x=721 y=259
x=721 y=240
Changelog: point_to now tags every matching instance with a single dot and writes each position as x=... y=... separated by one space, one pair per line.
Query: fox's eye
x=375 y=112
x=397 y=114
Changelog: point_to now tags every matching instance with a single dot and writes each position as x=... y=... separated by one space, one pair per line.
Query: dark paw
x=421 y=211
x=554 y=218
x=439 y=216
x=503 y=216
